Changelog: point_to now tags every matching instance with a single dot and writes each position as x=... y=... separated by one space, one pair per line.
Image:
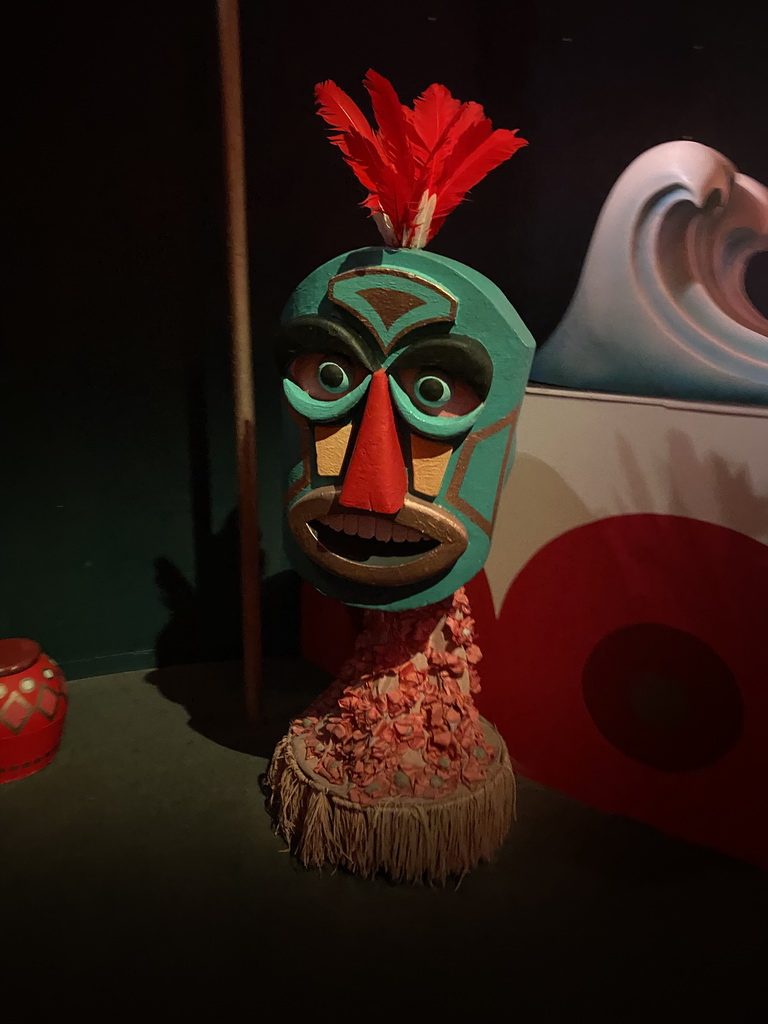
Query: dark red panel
x=629 y=670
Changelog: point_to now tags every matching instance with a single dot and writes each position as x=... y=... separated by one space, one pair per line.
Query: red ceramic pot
x=33 y=704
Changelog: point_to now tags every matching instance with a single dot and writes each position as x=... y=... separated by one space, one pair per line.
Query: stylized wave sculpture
x=661 y=308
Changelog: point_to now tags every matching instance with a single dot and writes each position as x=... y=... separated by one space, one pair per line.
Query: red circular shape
x=699 y=578
x=17 y=654
x=696 y=577
x=662 y=697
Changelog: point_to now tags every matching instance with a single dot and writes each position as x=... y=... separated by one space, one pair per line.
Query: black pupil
x=331 y=375
x=432 y=389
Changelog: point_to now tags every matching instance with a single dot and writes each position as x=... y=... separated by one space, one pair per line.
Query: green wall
x=116 y=534
x=118 y=544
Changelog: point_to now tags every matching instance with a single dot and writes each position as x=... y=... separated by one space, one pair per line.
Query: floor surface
x=139 y=872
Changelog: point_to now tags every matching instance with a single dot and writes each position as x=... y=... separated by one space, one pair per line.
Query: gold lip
x=434 y=522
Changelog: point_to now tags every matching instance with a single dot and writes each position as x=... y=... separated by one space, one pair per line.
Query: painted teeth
x=369 y=527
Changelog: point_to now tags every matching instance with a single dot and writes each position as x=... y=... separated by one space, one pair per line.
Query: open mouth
x=375 y=540
x=418 y=542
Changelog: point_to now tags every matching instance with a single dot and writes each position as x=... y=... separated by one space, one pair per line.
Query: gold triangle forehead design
x=391 y=302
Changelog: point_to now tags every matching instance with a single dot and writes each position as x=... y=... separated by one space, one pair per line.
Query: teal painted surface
x=478 y=488
x=432 y=426
x=432 y=304
x=484 y=314
x=319 y=411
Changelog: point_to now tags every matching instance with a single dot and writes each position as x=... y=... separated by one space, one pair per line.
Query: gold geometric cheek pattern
x=331 y=443
x=429 y=461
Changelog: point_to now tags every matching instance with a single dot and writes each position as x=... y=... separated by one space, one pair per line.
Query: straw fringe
x=409 y=840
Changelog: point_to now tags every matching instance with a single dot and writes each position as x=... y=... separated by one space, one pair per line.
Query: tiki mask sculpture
x=403 y=374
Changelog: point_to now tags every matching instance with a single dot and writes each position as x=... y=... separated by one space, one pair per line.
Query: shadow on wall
x=740 y=505
x=198 y=652
x=205 y=620
x=693 y=477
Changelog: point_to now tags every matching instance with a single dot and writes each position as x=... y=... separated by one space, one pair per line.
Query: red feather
x=341 y=111
x=472 y=128
x=432 y=112
x=451 y=138
x=363 y=157
x=392 y=137
x=419 y=164
x=494 y=150
x=393 y=125
x=356 y=141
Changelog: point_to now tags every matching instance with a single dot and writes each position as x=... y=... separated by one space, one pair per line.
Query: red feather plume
x=419 y=163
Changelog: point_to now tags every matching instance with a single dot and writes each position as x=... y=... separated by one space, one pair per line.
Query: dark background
x=117 y=539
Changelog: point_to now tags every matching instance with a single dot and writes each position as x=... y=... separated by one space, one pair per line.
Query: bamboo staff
x=242 y=365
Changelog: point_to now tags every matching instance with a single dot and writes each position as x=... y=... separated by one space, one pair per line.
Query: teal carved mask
x=404 y=373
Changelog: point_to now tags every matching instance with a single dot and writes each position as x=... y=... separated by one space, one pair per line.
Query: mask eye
x=432 y=391
x=326 y=376
x=333 y=377
x=437 y=392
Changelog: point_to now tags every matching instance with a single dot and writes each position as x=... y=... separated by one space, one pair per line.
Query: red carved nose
x=376 y=479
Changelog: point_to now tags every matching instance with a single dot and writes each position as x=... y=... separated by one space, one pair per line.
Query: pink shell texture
x=400 y=721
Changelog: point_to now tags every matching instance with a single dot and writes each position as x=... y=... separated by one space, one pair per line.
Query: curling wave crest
x=661 y=308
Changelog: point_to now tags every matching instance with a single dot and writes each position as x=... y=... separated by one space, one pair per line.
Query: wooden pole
x=242 y=363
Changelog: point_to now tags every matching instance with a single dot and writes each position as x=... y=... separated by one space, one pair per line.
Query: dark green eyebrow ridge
x=316 y=333
x=456 y=354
